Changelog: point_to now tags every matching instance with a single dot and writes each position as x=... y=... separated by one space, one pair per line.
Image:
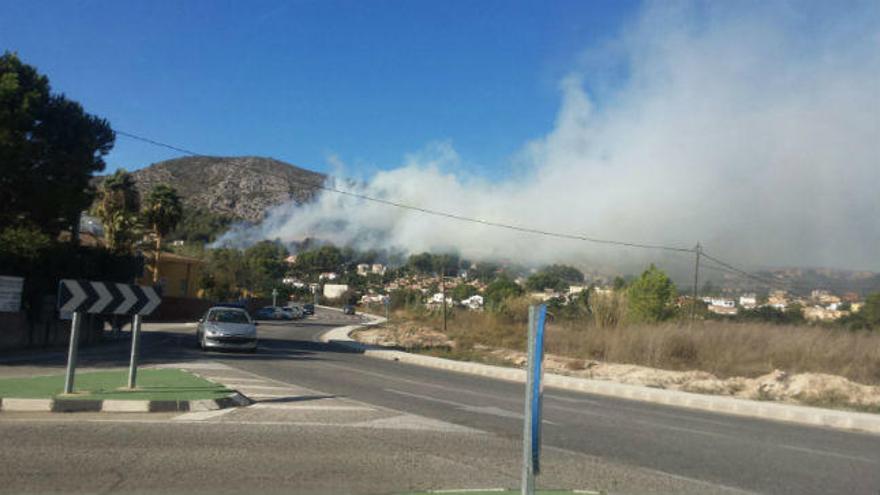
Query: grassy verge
x=153 y=384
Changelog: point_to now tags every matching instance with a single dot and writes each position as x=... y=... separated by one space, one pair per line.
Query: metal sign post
x=107 y=298
x=135 y=351
x=72 y=353
x=274 y=297
x=534 y=398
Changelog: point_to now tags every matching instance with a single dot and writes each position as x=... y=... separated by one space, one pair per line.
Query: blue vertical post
x=534 y=397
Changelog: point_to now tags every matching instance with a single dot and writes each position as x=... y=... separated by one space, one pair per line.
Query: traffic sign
x=106 y=298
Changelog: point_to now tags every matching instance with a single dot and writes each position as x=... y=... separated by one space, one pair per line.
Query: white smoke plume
x=753 y=129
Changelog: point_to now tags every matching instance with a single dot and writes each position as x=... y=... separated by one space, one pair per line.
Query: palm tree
x=117 y=208
x=162 y=212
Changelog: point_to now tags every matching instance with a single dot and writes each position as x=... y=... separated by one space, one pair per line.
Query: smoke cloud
x=752 y=129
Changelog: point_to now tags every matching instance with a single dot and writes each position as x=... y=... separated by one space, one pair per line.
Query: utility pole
x=443 y=290
x=697 y=250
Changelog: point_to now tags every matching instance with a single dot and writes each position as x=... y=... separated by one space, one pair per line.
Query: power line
x=720 y=264
x=743 y=273
x=156 y=143
x=770 y=282
x=443 y=214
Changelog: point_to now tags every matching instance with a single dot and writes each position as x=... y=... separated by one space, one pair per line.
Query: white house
x=474 y=302
x=334 y=291
x=748 y=301
x=372 y=299
x=363 y=269
x=328 y=276
x=438 y=298
x=378 y=269
x=721 y=306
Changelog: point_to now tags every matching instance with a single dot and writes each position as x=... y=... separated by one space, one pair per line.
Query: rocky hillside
x=240 y=187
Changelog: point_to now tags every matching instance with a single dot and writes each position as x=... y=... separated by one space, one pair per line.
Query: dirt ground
x=815 y=389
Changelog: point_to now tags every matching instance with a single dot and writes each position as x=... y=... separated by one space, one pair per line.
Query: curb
x=790 y=413
x=116 y=406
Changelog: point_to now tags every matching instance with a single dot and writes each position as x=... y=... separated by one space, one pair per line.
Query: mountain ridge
x=241 y=187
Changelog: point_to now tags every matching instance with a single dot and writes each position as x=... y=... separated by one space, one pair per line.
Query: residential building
x=334 y=291
x=777 y=299
x=818 y=313
x=720 y=305
x=748 y=301
x=474 y=302
x=545 y=295
x=576 y=289
x=178 y=275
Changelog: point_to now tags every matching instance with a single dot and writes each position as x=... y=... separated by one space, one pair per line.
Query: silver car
x=294 y=312
x=227 y=328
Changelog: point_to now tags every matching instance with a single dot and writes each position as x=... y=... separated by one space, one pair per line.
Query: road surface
x=465 y=431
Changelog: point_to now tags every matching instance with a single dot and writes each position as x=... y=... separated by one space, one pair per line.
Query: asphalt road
x=591 y=441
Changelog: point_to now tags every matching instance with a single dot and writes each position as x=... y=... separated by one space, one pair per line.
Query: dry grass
x=722 y=348
x=726 y=349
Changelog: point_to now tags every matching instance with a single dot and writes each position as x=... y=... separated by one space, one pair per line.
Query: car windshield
x=227 y=316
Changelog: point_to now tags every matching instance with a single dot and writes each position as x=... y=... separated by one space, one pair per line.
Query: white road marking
x=194 y=365
x=269 y=387
x=307 y=407
x=231 y=379
x=413 y=422
x=494 y=411
x=448 y=427
x=468 y=490
x=202 y=415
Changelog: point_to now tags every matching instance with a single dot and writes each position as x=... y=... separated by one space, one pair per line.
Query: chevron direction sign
x=107 y=298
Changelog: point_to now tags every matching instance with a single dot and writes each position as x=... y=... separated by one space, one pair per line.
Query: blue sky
x=301 y=81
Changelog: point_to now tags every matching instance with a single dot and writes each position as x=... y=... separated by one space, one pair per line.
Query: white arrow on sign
x=153 y=298
x=128 y=299
x=104 y=298
x=79 y=295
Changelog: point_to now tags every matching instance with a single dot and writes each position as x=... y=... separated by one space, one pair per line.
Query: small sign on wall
x=10 y=294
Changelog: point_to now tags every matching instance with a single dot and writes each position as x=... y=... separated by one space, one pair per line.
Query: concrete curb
x=804 y=415
x=121 y=406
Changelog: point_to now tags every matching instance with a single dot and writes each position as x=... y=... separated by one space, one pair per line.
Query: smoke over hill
x=715 y=123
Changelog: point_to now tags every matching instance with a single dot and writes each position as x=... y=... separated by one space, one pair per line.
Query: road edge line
x=788 y=413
